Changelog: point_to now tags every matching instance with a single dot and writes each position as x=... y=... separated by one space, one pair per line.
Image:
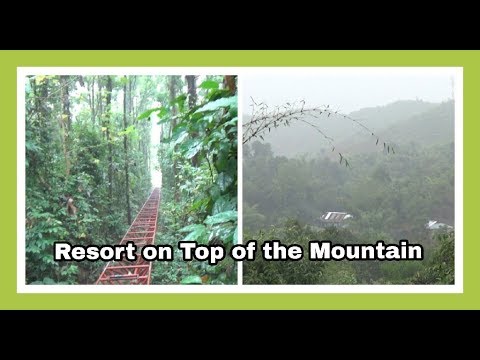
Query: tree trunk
x=192 y=90
x=92 y=97
x=230 y=83
x=107 y=132
x=125 y=148
x=192 y=101
x=42 y=168
x=173 y=95
x=99 y=106
x=65 y=121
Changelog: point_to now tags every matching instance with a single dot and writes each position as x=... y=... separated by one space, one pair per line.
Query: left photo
x=117 y=159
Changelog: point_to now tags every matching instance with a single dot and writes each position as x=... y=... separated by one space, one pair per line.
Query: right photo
x=352 y=156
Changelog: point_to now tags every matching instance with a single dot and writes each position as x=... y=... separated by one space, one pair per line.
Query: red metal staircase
x=141 y=232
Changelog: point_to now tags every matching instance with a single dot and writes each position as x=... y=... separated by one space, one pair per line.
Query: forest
x=391 y=183
x=96 y=145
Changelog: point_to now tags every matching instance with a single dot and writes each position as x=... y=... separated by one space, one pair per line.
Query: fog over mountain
x=341 y=181
x=400 y=123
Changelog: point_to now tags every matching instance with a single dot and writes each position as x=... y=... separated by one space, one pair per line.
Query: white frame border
x=457 y=72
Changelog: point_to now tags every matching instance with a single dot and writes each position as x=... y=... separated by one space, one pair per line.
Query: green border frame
x=10 y=60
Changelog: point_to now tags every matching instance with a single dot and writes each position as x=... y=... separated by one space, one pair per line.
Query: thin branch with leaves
x=265 y=118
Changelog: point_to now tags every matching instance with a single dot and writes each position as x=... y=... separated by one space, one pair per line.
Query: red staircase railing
x=141 y=232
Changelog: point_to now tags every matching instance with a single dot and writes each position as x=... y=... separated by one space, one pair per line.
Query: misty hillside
x=400 y=123
x=433 y=127
x=383 y=116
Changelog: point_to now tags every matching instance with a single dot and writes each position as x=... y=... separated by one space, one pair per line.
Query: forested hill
x=400 y=123
x=383 y=116
x=432 y=127
x=389 y=197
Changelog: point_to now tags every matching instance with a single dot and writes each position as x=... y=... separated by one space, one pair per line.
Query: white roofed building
x=436 y=225
x=335 y=218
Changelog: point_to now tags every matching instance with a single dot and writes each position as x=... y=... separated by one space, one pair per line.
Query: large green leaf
x=222 y=204
x=232 y=122
x=198 y=232
x=214 y=191
x=192 y=227
x=191 y=279
x=224 y=180
x=233 y=111
x=222 y=217
x=181 y=137
x=147 y=113
x=164 y=118
x=199 y=235
x=218 y=104
x=180 y=101
x=209 y=84
x=222 y=161
x=178 y=129
x=127 y=131
x=163 y=112
x=224 y=231
x=191 y=147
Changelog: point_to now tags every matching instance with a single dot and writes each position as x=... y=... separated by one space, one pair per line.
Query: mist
x=347 y=89
x=369 y=155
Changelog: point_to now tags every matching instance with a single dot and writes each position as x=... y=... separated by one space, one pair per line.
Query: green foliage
x=147 y=113
x=199 y=165
x=72 y=158
x=209 y=84
x=191 y=279
x=213 y=106
x=390 y=198
x=196 y=232
x=441 y=267
x=303 y=271
x=393 y=195
x=221 y=218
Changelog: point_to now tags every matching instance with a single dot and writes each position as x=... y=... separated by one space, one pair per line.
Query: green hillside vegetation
x=434 y=126
x=383 y=116
x=391 y=197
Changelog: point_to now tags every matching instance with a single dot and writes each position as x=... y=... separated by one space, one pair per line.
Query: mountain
x=432 y=127
x=399 y=123
x=381 y=117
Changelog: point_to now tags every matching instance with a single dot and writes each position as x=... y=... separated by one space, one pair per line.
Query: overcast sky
x=346 y=89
